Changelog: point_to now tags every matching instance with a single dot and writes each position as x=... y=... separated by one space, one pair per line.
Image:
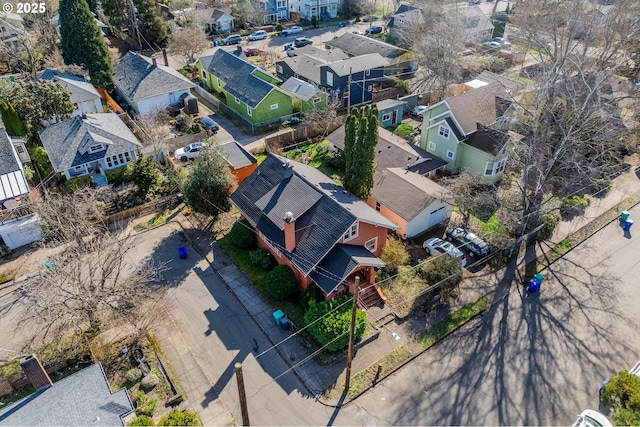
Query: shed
x=391 y=111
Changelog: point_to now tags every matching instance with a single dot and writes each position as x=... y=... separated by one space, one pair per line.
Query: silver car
x=434 y=246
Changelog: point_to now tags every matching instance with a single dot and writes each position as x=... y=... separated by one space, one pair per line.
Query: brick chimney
x=289 y=231
x=153 y=58
x=35 y=373
x=164 y=55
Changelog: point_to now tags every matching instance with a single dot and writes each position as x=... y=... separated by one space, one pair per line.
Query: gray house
x=89 y=145
x=84 y=95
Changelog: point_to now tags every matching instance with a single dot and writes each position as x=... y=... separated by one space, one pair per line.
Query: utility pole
x=352 y=329
x=242 y=394
x=134 y=25
x=349 y=93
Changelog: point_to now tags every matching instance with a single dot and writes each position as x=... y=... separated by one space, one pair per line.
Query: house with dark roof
x=403 y=191
x=308 y=222
x=466 y=131
x=19 y=225
x=306 y=62
x=477 y=26
x=81 y=399
x=89 y=145
x=250 y=93
x=399 y=61
x=146 y=86
x=241 y=162
x=305 y=95
x=84 y=95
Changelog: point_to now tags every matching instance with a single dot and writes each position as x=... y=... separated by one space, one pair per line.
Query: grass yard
x=317 y=155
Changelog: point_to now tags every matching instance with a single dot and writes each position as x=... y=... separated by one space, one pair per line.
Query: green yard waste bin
x=624 y=215
x=539 y=277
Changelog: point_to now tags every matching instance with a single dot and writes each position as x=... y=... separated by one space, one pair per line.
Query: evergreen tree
x=82 y=42
x=151 y=23
x=11 y=121
x=114 y=10
x=361 y=138
x=350 y=129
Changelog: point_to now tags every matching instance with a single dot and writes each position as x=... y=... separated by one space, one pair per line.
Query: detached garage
x=21 y=232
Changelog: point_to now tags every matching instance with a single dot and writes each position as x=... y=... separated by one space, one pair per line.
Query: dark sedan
x=302 y=41
x=208 y=124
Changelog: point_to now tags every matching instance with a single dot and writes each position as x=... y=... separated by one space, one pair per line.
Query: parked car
x=503 y=42
x=302 y=41
x=472 y=243
x=232 y=39
x=190 y=152
x=419 y=110
x=591 y=418
x=370 y=18
x=208 y=124
x=374 y=29
x=258 y=35
x=252 y=51
x=435 y=246
x=472 y=2
x=492 y=45
x=296 y=29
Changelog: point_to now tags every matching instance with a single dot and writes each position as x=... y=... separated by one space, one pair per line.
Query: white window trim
x=317 y=100
x=500 y=166
x=486 y=168
x=451 y=155
x=386 y=117
x=375 y=244
x=329 y=78
x=249 y=111
x=351 y=233
x=431 y=145
x=237 y=100
x=369 y=88
x=279 y=68
x=444 y=130
x=274 y=106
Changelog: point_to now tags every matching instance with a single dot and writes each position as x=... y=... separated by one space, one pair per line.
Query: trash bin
x=279 y=33
x=49 y=265
x=285 y=323
x=627 y=224
x=539 y=277
x=286 y=33
x=277 y=316
x=182 y=251
x=624 y=215
x=534 y=285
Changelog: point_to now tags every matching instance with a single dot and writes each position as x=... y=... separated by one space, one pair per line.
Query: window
x=279 y=68
x=127 y=156
x=369 y=88
x=274 y=106
x=345 y=95
x=237 y=100
x=204 y=74
x=444 y=132
x=367 y=73
x=249 y=111
x=488 y=170
x=351 y=233
x=121 y=158
x=20 y=149
x=450 y=154
x=378 y=206
x=386 y=117
x=282 y=3
x=372 y=244
x=432 y=145
x=95 y=148
x=500 y=166
x=317 y=100
x=329 y=78
x=219 y=83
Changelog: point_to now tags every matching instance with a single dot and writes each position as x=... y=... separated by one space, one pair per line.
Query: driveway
x=532 y=359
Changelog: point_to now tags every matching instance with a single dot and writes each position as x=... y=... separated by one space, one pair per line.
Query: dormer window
x=95 y=148
x=443 y=132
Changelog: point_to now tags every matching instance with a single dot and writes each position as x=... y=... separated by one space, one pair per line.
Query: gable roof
x=406 y=193
x=12 y=180
x=237 y=74
x=64 y=141
x=357 y=64
x=236 y=155
x=324 y=211
x=473 y=19
x=509 y=84
x=357 y=45
x=303 y=90
x=219 y=13
x=308 y=60
x=481 y=105
x=81 y=89
x=403 y=10
x=81 y=399
x=395 y=152
x=137 y=77
x=488 y=140
x=390 y=103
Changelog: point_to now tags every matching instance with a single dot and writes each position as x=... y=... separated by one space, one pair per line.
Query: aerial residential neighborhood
x=301 y=212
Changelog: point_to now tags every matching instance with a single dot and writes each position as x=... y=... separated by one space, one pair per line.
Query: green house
x=249 y=92
x=465 y=131
x=305 y=95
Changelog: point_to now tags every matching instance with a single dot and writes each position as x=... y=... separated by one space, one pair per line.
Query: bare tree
x=470 y=196
x=324 y=119
x=42 y=29
x=156 y=130
x=268 y=58
x=188 y=42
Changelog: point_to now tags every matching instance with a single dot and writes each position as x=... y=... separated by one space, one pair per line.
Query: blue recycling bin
x=182 y=251
x=627 y=224
x=285 y=323
x=277 y=316
x=534 y=285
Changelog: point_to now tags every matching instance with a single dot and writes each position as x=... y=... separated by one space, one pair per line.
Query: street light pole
x=351 y=332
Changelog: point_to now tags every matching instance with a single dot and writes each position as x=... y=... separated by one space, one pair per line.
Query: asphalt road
x=533 y=359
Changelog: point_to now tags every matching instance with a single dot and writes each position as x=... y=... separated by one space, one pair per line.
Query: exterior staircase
x=100 y=180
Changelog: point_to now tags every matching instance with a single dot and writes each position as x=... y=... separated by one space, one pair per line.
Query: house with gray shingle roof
x=249 y=92
x=81 y=399
x=241 y=162
x=308 y=222
x=89 y=145
x=305 y=65
x=476 y=24
x=84 y=95
x=147 y=86
x=305 y=95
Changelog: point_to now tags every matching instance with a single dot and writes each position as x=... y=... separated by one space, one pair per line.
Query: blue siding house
x=391 y=111
x=366 y=73
x=275 y=10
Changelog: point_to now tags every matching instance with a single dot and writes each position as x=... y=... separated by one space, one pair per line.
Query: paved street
x=533 y=359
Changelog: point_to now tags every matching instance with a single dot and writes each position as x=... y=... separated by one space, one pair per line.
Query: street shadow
x=165 y=252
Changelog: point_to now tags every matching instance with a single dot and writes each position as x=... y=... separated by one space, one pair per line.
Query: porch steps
x=100 y=180
x=370 y=298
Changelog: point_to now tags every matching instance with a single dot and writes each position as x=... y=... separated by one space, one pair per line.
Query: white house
x=84 y=95
x=147 y=86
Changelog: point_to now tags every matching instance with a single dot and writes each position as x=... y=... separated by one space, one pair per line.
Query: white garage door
x=437 y=216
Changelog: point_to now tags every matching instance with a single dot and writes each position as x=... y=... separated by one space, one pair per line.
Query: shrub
x=119 y=176
x=144 y=172
x=445 y=269
x=278 y=26
x=133 y=375
x=323 y=148
x=335 y=159
x=261 y=258
x=74 y=183
x=142 y=420
x=242 y=235
x=179 y=418
x=280 y=282
x=622 y=395
x=549 y=222
x=394 y=254
x=574 y=205
x=309 y=296
x=601 y=186
x=403 y=130
x=333 y=321
x=144 y=404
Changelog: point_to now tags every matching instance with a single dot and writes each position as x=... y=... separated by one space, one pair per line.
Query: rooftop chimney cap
x=288 y=216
